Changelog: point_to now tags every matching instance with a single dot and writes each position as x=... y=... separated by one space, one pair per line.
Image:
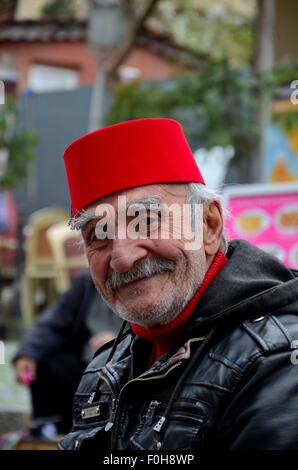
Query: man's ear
x=213 y=227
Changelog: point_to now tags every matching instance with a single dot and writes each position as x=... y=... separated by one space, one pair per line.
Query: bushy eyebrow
x=85 y=216
x=81 y=220
x=151 y=202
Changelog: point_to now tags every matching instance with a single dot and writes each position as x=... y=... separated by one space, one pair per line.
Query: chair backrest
x=69 y=254
x=39 y=255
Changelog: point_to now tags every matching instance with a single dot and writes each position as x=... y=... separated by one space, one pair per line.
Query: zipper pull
x=91 y=398
x=151 y=410
x=76 y=445
x=159 y=424
x=157 y=428
x=110 y=424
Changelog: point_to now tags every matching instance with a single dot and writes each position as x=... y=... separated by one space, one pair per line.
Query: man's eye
x=103 y=232
x=148 y=224
x=99 y=236
x=152 y=220
x=92 y=237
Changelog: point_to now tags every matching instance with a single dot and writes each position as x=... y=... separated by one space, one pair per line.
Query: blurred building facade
x=285 y=30
x=50 y=64
x=40 y=54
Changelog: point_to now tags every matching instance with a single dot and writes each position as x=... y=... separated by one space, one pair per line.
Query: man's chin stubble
x=155 y=314
x=152 y=315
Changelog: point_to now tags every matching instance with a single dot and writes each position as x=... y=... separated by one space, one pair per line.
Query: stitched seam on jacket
x=282 y=328
x=208 y=385
x=255 y=336
x=225 y=361
x=241 y=382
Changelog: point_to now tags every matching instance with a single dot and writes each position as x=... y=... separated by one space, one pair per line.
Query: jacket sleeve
x=54 y=328
x=263 y=414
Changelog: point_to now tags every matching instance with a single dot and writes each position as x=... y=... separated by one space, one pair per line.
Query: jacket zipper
x=114 y=416
x=117 y=413
x=151 y=411
x=115 y=401
x=91 y=398
x=108 y=382
x=110 y=423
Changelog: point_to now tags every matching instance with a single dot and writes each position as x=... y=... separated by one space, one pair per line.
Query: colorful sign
x=281 y=154
x=267 y=216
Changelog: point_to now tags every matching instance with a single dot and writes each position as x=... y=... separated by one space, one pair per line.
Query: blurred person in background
x=55 y=351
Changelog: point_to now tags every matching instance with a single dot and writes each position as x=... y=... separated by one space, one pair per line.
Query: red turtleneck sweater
x=165 y=336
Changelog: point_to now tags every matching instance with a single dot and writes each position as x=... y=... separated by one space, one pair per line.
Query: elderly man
x=203 y=358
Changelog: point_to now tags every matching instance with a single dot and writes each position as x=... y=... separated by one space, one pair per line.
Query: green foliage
x=215 y=106
x=20 y=146
x=278 y=80
x=59 y=9
x=281 y=75
x=222 y=30
x=288 y=122
x=137 y=100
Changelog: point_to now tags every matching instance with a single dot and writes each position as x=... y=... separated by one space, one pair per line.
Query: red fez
x=126 y=155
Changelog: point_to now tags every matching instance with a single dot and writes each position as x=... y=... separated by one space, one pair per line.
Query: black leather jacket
x=230 y=382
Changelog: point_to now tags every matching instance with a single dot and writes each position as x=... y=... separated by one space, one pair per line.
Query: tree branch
x=135 y=31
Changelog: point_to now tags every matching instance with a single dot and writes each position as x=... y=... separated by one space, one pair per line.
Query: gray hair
x=199 y=194
x=82 y=218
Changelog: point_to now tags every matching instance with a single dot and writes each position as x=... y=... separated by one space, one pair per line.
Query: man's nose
x=125 y=254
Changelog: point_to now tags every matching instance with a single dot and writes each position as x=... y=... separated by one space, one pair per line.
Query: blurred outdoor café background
x=227 y=70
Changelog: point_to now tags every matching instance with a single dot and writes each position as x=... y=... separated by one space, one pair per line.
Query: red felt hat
x=126 y=155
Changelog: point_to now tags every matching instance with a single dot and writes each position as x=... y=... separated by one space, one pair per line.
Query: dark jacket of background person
x=64 y=327
x=60 y=346
x=230 y=382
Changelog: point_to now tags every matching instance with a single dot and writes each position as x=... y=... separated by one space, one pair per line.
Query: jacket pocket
x=183 y=429
x=92 y=414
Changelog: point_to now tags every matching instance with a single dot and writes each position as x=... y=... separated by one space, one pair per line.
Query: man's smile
x=137 y=282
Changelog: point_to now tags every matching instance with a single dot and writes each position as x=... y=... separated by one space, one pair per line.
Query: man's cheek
x=97 y=266
x=170 y=249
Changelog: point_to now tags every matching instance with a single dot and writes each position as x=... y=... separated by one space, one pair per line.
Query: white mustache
x=146 y=268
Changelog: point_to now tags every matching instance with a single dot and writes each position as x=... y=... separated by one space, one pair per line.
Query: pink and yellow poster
x=267 y=216
x=281 y=153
